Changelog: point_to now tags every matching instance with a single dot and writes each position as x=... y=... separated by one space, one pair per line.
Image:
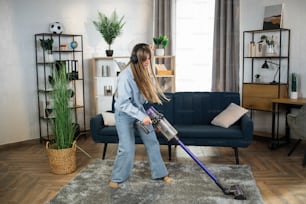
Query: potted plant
x=61 y=151
x=257 y=78
x=110 y=28
x=46 y=44
x=160 y=43
x=270 y=44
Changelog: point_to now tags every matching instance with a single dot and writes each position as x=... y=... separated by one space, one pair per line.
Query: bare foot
x=167 y=179
x=113 y=184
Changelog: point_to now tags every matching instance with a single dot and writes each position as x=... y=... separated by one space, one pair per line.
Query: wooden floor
x=25 y=177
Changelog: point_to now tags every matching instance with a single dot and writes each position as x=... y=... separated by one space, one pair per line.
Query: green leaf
x=109 y=27
x=161 y=41
x=64 y=128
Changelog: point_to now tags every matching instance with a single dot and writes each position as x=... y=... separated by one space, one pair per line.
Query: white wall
x=20 y=20
x=251 y=18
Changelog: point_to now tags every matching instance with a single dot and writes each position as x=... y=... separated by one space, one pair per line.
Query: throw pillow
x=109 y=118
x=229 y=116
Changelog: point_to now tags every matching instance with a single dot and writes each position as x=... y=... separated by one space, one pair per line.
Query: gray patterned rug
x=191 y=185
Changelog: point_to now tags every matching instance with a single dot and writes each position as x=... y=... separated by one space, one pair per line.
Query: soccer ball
x=56 y=28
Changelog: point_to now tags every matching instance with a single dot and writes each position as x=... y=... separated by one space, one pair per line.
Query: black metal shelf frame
x=43 y=68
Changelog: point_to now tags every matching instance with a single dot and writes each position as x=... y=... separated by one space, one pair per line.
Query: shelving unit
x=106 y=70
x=62 y=50
x=165 y=72
x=258 y=93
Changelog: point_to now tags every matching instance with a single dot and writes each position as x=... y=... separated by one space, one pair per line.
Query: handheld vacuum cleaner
x=162 y=124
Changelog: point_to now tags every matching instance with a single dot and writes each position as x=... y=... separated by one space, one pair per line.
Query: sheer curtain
x=191 y=36
x=225 y=73
x=194 y=44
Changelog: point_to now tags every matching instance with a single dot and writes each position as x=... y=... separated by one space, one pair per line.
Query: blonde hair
x=145 y=77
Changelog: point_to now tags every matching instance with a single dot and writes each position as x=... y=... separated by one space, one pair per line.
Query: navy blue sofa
x=191 y=114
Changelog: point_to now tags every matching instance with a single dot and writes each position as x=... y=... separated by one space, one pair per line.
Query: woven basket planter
x=62 y=161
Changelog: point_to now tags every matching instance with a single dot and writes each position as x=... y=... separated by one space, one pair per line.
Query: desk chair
x=297 y=125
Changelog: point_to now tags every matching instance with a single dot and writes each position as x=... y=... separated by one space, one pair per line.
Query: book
x=161 y=69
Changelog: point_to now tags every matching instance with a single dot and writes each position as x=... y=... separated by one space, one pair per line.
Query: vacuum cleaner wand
x=162 y=124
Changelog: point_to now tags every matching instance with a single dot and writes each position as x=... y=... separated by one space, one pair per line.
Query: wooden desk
x=288 y=103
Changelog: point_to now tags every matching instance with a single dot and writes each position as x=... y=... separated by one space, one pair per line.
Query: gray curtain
x=162 y=21
x=225 y=73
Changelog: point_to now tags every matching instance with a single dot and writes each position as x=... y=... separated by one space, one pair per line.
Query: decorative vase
x=49 y=56
x=294 y=93
x=62 y=161
x=109 y=53
x=160 y=52
x=270 y=50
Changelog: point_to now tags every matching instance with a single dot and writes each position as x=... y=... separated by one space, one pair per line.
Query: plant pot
x=49 y=56
x=109 y=53
x=160 y=52
x=294 y=95
x=62 y=161
x=270 y=50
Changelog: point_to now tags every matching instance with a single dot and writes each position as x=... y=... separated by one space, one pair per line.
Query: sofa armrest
x=96 y=123
x=247 y=127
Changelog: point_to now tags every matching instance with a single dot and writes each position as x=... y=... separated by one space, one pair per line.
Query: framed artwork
x=273 y=17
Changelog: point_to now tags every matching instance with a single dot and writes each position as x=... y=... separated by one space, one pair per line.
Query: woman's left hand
x=147 y=120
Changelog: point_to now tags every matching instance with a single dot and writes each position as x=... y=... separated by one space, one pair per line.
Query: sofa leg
x=104 y=151
x=169 y=152
x=295 y=145
x=236 y=154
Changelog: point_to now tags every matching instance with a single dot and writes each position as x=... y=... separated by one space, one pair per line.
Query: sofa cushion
x=109 y=119
x=229 y=116
x=199 y=108
x=108 y=130
x=210 y=135
x=208 y=131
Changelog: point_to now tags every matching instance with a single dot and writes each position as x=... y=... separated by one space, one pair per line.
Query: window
x=194 y=42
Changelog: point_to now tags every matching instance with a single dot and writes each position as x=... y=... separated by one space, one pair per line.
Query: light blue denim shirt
x=129 y=99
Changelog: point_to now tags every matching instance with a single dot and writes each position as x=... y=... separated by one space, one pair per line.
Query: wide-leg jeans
x=124 y=161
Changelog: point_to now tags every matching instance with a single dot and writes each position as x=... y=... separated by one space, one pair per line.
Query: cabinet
x=265 y=67
x=106 y=69
x=67 y=48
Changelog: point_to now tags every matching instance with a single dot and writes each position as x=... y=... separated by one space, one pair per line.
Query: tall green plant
x=64 y=129
x=109 y=27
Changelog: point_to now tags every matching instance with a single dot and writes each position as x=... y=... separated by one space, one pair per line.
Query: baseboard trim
x=18 y=144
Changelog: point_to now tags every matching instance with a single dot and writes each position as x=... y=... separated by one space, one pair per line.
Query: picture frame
x=273 y=17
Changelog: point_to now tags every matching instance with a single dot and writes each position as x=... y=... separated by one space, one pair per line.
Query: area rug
x=191 y=185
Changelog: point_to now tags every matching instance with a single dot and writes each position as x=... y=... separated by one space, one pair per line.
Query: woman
x=134 y=88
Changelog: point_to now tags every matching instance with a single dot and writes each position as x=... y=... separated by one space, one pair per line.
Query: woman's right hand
x=147 y=120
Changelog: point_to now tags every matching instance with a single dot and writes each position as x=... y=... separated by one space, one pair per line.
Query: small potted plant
x=257 y=78
x=110 y=28
x=270 y=44
x=160 y=43
x=46 y=45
